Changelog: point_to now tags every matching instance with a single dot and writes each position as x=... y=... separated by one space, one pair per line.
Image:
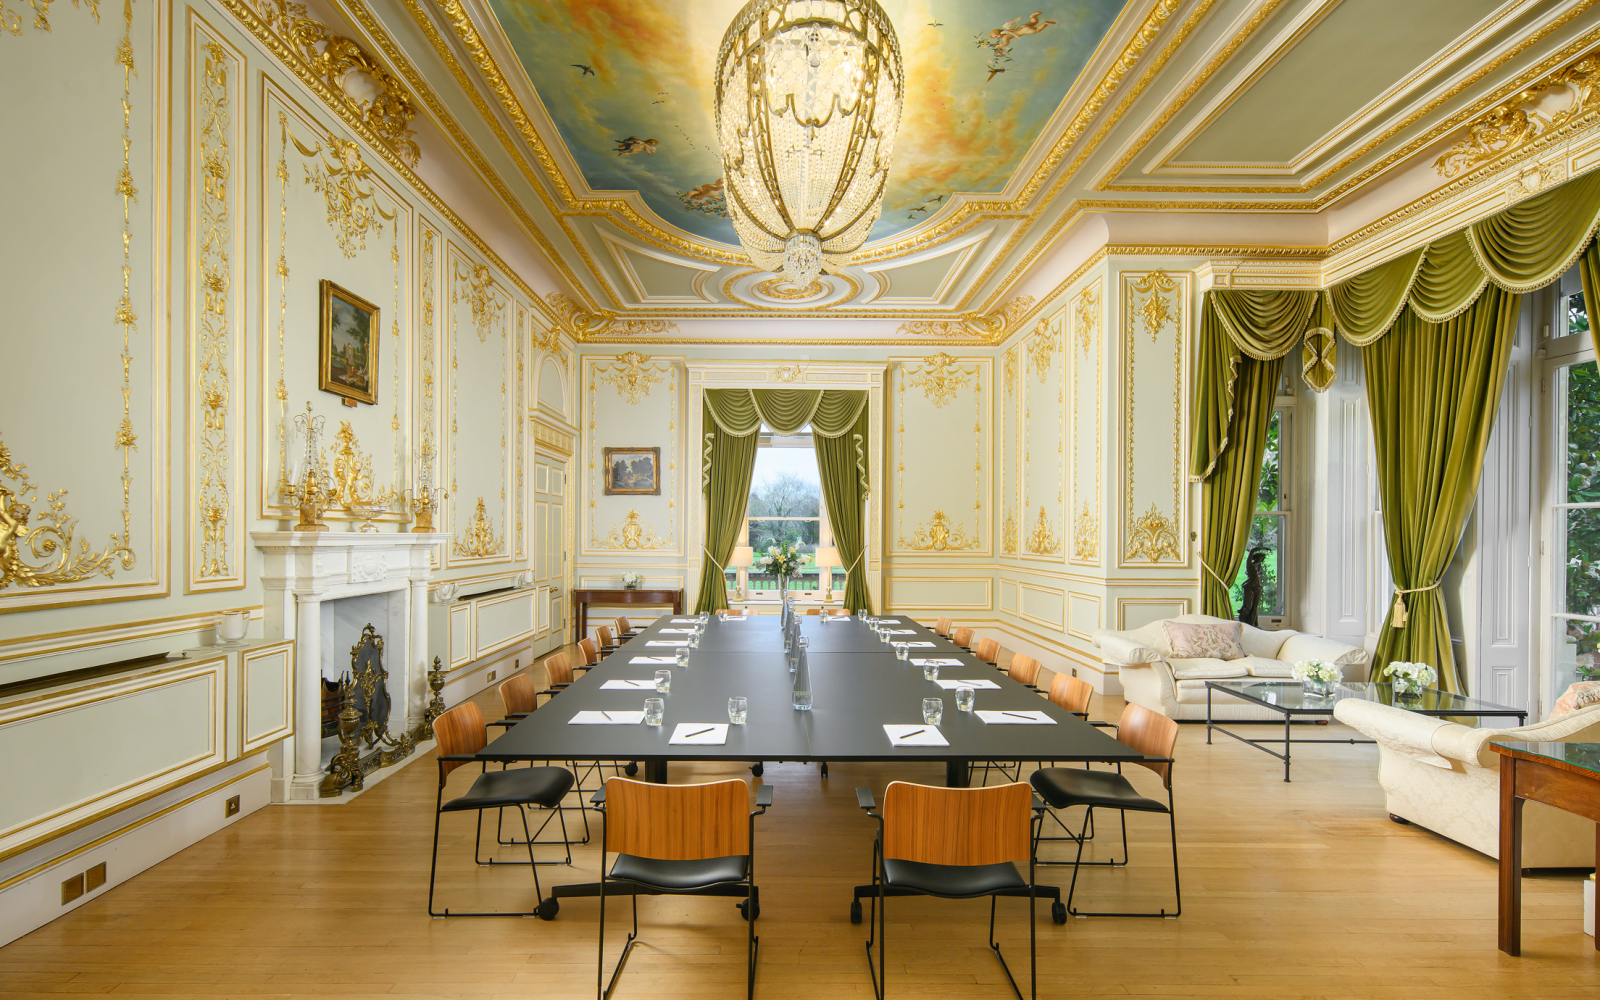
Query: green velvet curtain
x=730 y=462
x=1432 y=391
x=842 y=462
x=1589 y=270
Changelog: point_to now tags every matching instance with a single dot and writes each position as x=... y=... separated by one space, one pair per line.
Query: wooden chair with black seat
x=962 y=637
x=591 y=655
x=1025 y=671
x=691 y=840
x=625 y=630
x=519 y=698
x=1150 y=734
x=605 y=642
x=954 y=843
x=460 y=733
x=942 y=628
x=988 y=650
x=1071 y=695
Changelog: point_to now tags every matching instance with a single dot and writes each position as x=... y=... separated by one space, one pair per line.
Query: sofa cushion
x=1205 y=668
x=1260 y=642
x=1192 y=640
x=1261 y=666
x=1194 y=693
x=1579 y=695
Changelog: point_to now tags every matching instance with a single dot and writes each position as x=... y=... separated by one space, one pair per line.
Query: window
x=785 y=508
x=1575 y=522
x=1269 y=527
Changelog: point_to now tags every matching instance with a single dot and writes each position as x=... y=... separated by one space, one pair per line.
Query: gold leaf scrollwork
x=1157 y=310
x=1086 y=318
x=486 y=307
x=353 y=211
x=479 y=540
x=788 y=373
x=1319 y=354
x=1152 y=536
x=786 y=290
x=1041 y=349
x=1086 y=534
x=993 y=327
x=586 y=325
x=630 y=534
x=352 y=473
x=633 y=375
x=214 y=111
x=1008 y=534
x=51 y=540
x=12 y=20
x=1042 y=540
x=941 y=378
x=1516 y=123
x=374 y=94
x=940 y=534
x=1009 y=372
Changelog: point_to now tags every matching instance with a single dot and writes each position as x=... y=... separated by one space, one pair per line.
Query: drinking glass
x=901 y=651
x=663 y=681
x=964 y=698
x=930 y=670
x=654 y=709
x=682 y=655
x=822 y=619
x=694 y=640
x=722 y=614
x=883 y=635
x=932 y=710
x=737 y=708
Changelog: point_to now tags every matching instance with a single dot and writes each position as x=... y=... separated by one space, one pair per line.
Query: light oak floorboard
x=1290 y=890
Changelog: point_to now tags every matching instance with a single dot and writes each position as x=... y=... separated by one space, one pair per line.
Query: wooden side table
x=581 y=599
x=1564 y=775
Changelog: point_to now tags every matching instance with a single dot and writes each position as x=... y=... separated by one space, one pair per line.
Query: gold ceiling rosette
x=808 y=101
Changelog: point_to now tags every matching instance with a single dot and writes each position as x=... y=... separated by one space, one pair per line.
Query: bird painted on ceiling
x=587 y=70
x=633 y=145
x=935 y=24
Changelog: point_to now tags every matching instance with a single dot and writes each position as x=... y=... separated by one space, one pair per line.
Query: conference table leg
x=655 y=770
x=958 y=773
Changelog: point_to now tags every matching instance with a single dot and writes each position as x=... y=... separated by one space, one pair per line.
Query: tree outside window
x=1268 y=527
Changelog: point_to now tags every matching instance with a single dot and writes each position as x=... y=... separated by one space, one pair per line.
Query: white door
x=550 y=548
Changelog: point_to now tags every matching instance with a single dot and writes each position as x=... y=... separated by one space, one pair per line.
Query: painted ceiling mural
x=629 y=85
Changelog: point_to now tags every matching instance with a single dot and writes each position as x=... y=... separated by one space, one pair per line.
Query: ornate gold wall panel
x=1085 y=354
x=1155 y=310
x=1041 y=525
x=519 y=496
x=1009 y=398
x=941 y=481
x=632 y=400
x=482 y=351
x=216 y=233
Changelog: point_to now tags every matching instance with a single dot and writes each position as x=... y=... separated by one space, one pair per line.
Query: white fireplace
x=318 y=583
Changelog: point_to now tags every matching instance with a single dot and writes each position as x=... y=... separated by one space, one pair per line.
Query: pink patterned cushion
x=1579 y=695
x=1192 y=640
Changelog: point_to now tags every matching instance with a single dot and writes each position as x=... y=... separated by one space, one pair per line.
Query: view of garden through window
x=786 y=509
x=1267 y=528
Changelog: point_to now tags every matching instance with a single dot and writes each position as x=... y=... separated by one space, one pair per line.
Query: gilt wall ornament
x=352 y=473
x=479 y=290
x=337 y=174
x=46 y=554
x=1086 y=534
x=940 y=378
x=787 y=373
x=940 y=534
x=1041 y=349
x=1557 y=100
x=992 y=327
x=1008 y=534
x=212 y=330
x=1043 y=541
x=1158 y=308
x=586 y=325
x=633 y=375
x=479 y=540
x=11 y=20
x=1153 y=537
x=631 y=534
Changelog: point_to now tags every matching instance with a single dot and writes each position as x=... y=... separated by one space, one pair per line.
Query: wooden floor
x=1290 y=890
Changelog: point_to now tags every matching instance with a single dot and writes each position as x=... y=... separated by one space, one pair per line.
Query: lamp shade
x=743 y=555
x=826 y=555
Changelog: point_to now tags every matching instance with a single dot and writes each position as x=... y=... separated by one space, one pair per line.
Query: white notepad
x=928 y=645
x=937 y=662
x=705 y=734
x=975 y=684
x=909 y=735
x=677 y=631
x=654 y=659
x=889 y=621
x=1016 y=718
x=683 y=621
x=674 y=642
x=649 y=685
x=606 y=718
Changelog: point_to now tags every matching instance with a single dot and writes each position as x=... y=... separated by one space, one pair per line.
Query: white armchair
x=1443 y=777
x=1151 y=676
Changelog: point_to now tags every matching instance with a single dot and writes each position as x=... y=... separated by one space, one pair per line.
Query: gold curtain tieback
x=1203 y=565
x=713 y=559
x=1400 y=616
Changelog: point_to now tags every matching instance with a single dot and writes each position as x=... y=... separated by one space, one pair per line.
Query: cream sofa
x=1153 y=677
x=1443 y=777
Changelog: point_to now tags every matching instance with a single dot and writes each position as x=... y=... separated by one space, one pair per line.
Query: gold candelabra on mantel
x=424 y=499
x=308 y=486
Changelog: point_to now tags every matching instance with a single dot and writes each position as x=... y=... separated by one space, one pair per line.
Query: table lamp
x=743 y=558
x=826 y=558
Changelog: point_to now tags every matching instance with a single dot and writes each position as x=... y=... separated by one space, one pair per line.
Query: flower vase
x=1320 y=688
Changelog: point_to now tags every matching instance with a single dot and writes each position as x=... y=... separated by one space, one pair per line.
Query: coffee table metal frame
x=1235 y=688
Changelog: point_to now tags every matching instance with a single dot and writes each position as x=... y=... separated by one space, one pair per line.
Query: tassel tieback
x=1400 y=616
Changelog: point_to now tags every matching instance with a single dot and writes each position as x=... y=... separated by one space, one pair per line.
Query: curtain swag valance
x=832 y=413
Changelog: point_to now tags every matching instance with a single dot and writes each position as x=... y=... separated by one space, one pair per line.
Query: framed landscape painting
x=348 y=359
x=633 y=471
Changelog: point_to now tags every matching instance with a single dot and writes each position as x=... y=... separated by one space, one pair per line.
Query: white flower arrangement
x=1319 y=671
x=782 y=560
x=632 y=581
x=1410 y=678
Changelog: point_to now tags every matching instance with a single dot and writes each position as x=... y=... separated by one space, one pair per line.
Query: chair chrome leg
x=433 y=869
x=995 y=947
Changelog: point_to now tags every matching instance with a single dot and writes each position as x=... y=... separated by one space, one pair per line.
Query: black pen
x=1014 y=715
x=907 y=736
x=700 y=733
x=608 y=717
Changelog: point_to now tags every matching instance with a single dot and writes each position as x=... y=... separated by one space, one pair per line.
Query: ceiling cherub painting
x=628 y=84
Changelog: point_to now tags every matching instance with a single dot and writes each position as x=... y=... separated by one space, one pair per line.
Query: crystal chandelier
x=808 y=102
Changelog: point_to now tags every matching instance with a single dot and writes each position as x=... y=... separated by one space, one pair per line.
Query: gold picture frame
x=633 y=472
x=347 y=361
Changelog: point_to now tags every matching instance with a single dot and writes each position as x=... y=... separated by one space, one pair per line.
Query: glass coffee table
x=1291 y=699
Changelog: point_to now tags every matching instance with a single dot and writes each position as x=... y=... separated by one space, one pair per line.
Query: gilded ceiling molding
x=633 y=375
x=588 y=326
x=991 y=327
x=1517 y=122
x=333 y=59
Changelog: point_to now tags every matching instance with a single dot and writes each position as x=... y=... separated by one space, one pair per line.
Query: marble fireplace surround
x=309 y=578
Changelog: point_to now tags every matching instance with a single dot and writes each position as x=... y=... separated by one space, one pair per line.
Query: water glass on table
x=903 y=652
x=930 y=670
x=965 y=696
x=932 y=710
x=681 y=654
x=663 y=681
x=738 y=708
x=694 y=640
x=654 y=710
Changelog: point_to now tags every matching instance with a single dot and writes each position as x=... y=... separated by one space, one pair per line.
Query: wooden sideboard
x=581 y=599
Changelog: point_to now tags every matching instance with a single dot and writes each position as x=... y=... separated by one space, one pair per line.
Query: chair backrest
x=460 y=730
x=518 y=694
x=622 y=625
x=957 y=826
x=814 y=611
x=840 y=613
x=1070 y=694
x=1150 y=733
x=558 y=669
x=1023 y=669
x=677 y=822
x=604 y=635
x=962 y=637
x=987 y=650
x=590 y=654
x=942 y=627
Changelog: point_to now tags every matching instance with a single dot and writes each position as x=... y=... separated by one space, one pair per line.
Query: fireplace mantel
x=304 y=570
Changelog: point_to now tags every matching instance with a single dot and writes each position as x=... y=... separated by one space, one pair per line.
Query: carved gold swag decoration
x=12 y=21
x=788 y=373
x=633 y=376
x=1152 y=537
x=51 y=540
x=1516 y=123
x=786 y=290
x=352 y=473
x=479 y=539
x=353 y=211
x=373 y=94
x=1086 y=534
x=1008 y=535
x=1157 y=310
x=1043 y=540
x=587 y=325
x=1041 y=349
x=941 y=379
x=630 y=534
x=485 y=305
x=940 y=534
